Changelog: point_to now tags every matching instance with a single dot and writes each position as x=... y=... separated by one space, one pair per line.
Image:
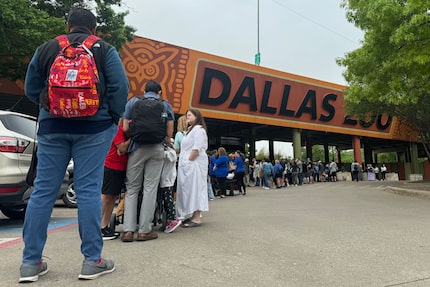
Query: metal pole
x=257 y=56
x=258 y=26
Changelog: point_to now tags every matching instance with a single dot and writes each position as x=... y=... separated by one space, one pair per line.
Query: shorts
x=113 y=181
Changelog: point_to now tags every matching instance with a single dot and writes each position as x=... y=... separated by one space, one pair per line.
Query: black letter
x=265 y=100
x=349 y=121
x=283 y=111
x=247 y=83
x=329 y=108
x=310 y=97
x=369 y=123
x=206 y=87
x=380 y=125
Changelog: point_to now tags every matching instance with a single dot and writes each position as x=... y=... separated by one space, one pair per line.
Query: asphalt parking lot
x=324 y=234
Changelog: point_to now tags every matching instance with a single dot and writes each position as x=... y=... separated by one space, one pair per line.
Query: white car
x=17 y=141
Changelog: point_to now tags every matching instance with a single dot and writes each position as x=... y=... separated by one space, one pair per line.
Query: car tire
x=17 y=213
x=69 y=197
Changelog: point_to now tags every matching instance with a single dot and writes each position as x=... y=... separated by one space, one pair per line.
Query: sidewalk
x=342 y=234
x=411 y=188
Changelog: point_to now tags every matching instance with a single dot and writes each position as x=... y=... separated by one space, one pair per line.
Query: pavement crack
x=407 y=282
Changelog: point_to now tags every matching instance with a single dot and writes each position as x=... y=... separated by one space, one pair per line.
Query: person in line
x=213 y=182
x=257 y=168
x=333 y=171
x=355 y=168
x=86 y=140
x=251 y=171
x=295 y=170
x=167 y=183
x=288 y=175
x=278 y=172
x=383 y=171
x=144 y=167
x=192 y=195
x=247 y=178
x=221 y=171
x=211 y=195
x=370 y=172
x=316 y=171
x=239 y=172
x=181 y=128
x=267 y=168
x=376 y=170
x=113 y=179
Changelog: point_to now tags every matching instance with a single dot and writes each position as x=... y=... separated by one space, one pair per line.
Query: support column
x=271 y=151
x=356 y=145
x=414 y=158
x=368 y=153
x=297 y=143
x=326 y=153
x=252 y=144
x=309 y=144
x=339 y=157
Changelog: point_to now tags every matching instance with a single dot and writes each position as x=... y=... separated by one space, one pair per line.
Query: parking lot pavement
x=324 y=234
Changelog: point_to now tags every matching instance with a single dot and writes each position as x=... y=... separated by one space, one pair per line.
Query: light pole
x=257 y=56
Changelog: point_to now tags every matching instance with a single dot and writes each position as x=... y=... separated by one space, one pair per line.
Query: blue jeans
x=266 y=179
x=54 y=153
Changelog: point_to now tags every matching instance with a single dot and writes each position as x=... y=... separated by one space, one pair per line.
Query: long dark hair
x=199 y=119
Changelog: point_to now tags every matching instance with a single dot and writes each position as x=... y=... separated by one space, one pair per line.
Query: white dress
x=192 y=192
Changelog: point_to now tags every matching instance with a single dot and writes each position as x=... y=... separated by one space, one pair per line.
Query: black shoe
x=109 y=234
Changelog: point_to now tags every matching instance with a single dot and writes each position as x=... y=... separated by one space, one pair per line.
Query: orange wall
x=226 y=89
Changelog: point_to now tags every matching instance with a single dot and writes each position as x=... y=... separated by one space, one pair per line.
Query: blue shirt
x=238 y=162
x=221 y=166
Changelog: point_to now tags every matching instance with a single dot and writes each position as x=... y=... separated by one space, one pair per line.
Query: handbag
x=32 y=171
x=230 y=175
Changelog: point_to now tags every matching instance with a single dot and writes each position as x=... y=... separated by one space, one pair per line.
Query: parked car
x=68 y=195
x=17 y=141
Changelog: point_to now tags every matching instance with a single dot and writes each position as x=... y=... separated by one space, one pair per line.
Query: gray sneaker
x=94 y=269
x=31 y=272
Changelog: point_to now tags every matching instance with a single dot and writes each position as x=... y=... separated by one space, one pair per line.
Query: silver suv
x=16 y=145
x=17 y=140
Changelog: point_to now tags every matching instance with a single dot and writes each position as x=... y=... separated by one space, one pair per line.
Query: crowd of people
x=112 y=153
x=283 y=173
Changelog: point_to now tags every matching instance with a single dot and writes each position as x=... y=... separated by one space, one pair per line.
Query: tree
x=23 y=28
x=25 y=24
x=261 y=154
x=389 y=73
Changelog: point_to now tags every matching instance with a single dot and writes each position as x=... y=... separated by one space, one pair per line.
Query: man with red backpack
x=77 y=123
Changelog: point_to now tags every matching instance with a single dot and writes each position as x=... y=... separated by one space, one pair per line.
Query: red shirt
x=113 y=160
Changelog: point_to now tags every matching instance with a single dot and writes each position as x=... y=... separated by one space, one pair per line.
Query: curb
x=408 y=192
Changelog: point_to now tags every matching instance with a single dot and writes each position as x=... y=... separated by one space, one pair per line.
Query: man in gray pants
x=144 y=166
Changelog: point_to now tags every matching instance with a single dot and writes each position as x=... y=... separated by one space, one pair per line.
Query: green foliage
x=390 y=73
x=387 y=157
x=347 y=156
x=111 y=24
x=25 y=24
x=261 y=154
x=22 y=29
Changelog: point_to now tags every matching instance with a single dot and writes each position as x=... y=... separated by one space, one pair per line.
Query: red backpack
x=73 y=80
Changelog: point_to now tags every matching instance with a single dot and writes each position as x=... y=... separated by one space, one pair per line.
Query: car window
x=19 y=125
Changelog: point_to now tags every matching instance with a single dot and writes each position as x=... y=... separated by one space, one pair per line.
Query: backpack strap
x=90 y=41
x=63 y=41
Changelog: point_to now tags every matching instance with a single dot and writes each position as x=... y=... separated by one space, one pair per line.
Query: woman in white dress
x=191 y=193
